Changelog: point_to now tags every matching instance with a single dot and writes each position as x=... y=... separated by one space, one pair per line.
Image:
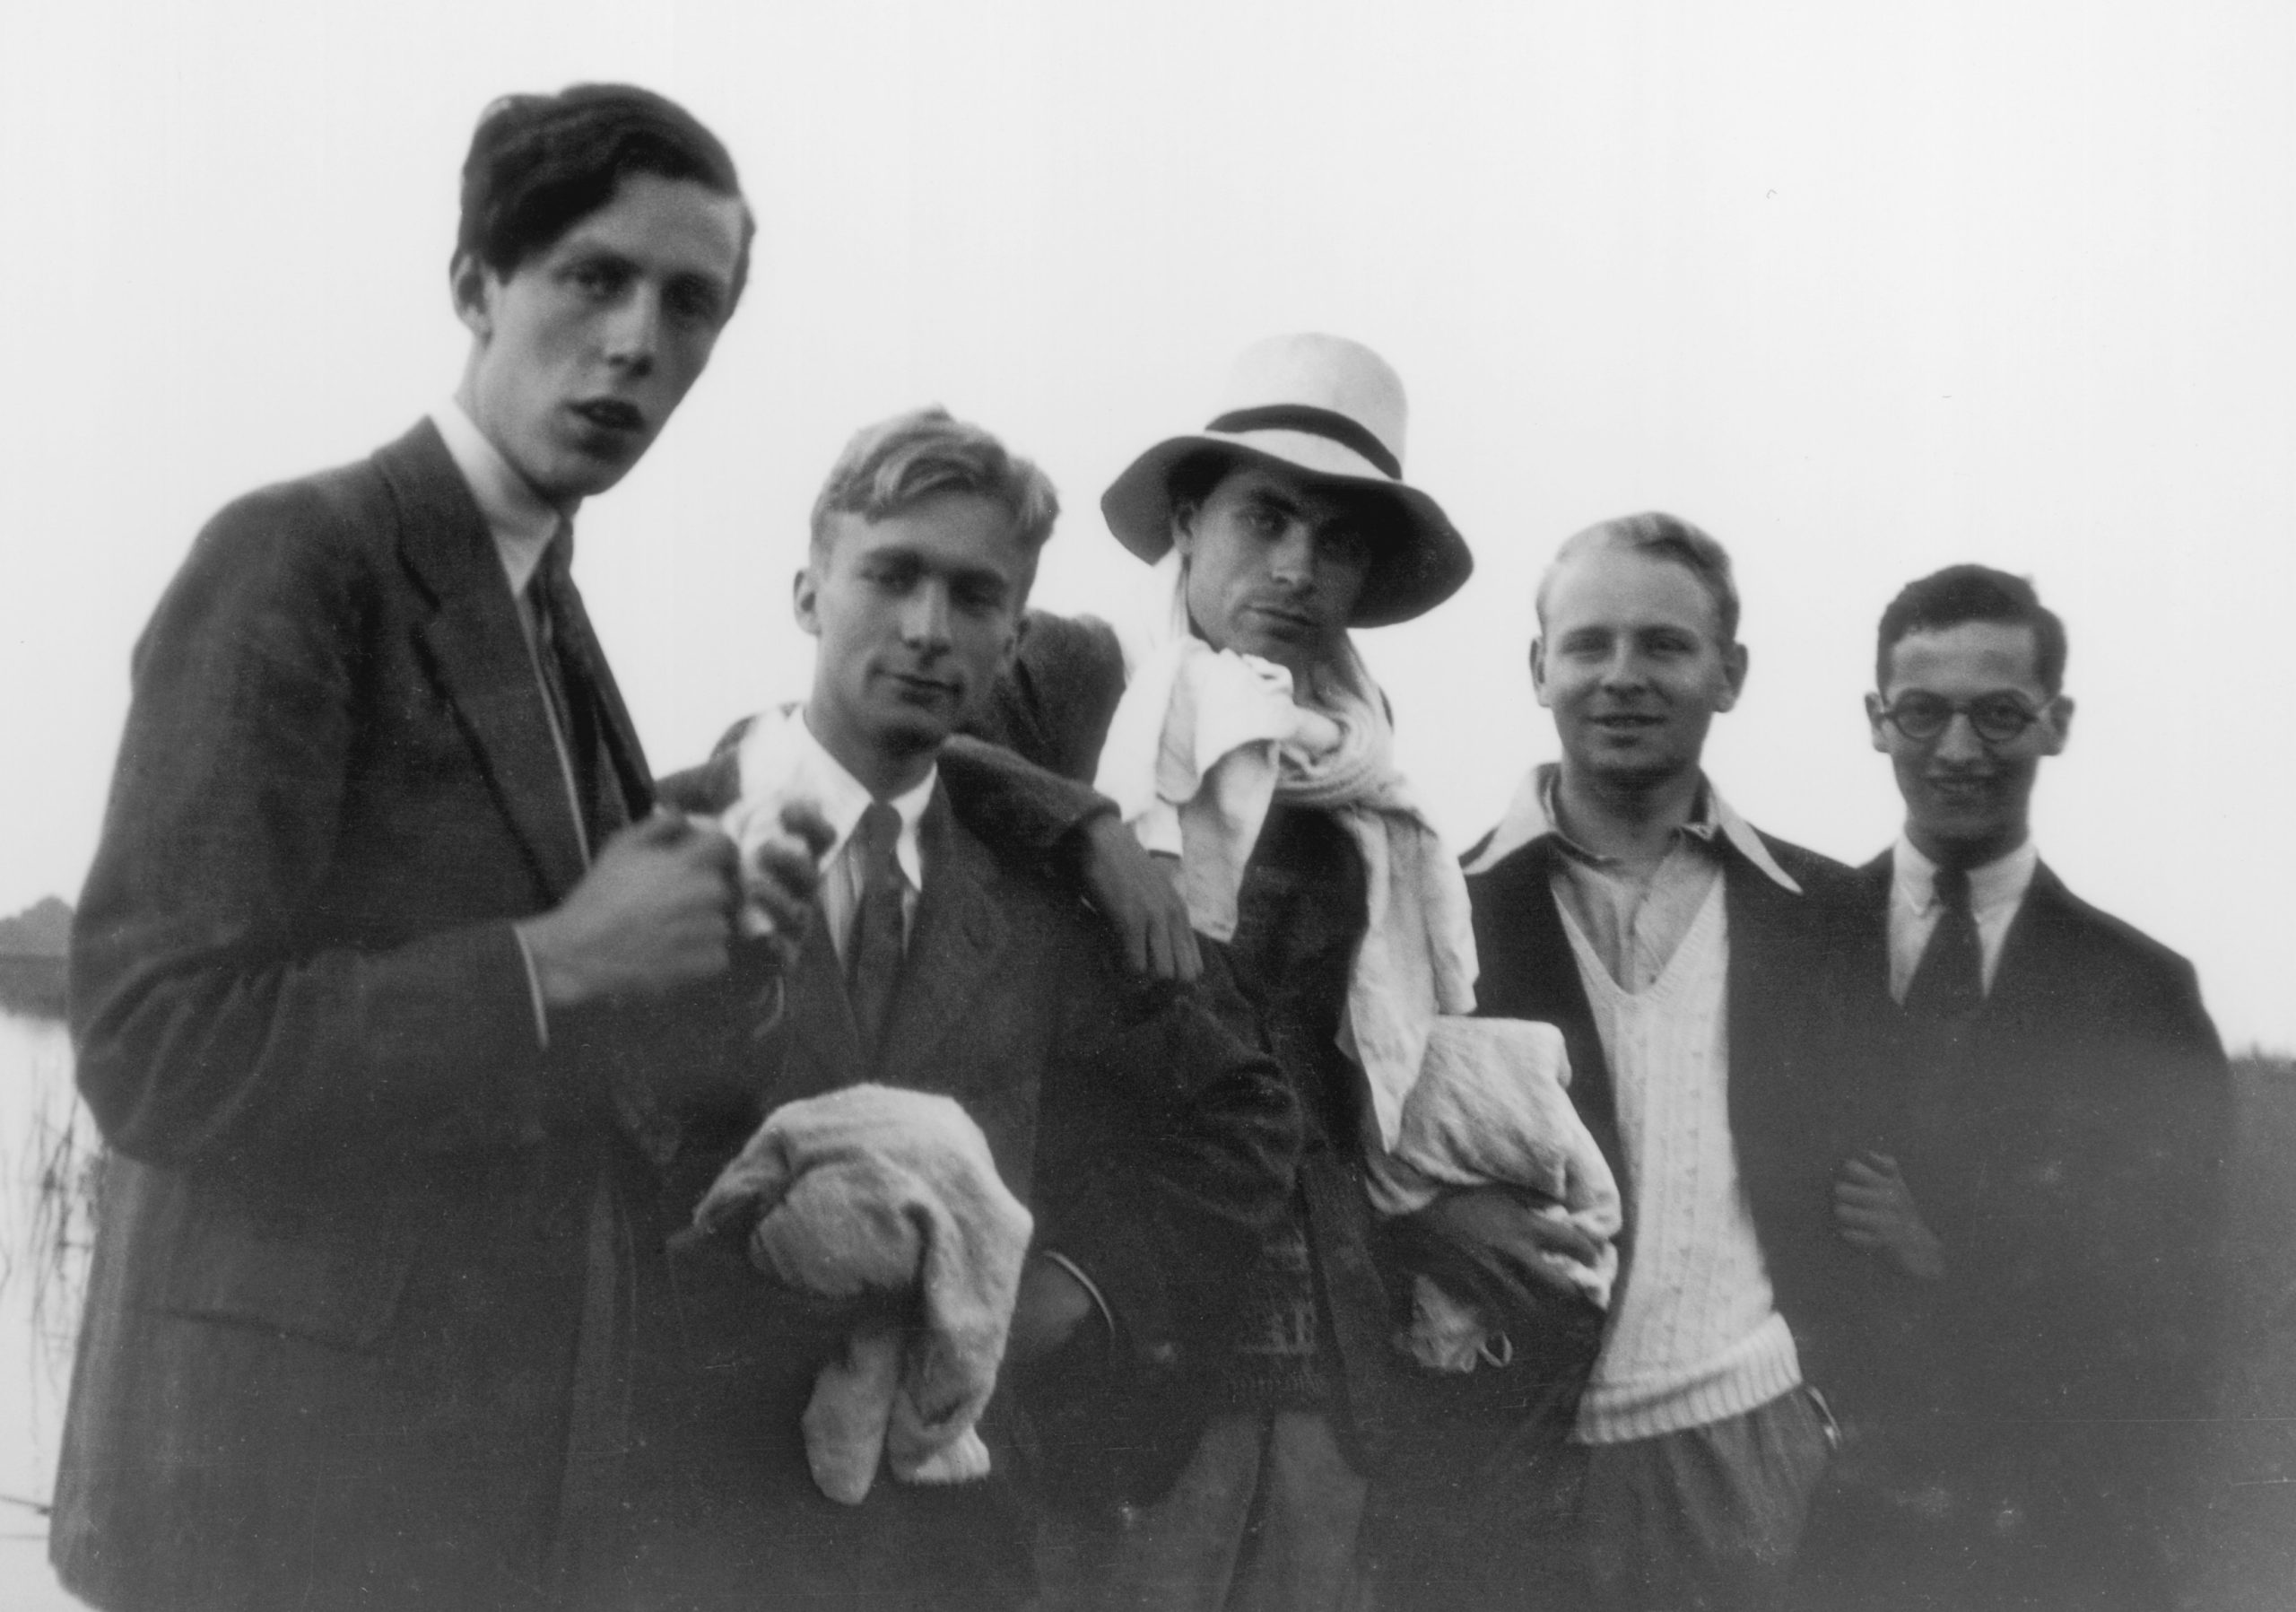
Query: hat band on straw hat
x=1316 y=422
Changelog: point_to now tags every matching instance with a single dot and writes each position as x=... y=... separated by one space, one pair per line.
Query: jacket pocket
x=330 y=1271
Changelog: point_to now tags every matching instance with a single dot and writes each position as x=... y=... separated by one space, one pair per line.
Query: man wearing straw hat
x=1252 y=746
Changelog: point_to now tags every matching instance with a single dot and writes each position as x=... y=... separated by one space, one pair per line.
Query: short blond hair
x=1662 y=536
x=896 y=464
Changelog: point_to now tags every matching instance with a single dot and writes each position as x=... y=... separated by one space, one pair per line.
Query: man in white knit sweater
x=1690 y=962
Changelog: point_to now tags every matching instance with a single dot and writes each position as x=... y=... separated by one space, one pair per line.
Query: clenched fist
x=654 y=912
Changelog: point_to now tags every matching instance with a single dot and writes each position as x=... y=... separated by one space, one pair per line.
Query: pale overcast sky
x=1863 y=290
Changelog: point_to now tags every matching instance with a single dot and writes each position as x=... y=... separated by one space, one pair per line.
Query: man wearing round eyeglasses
x=2046 y=1181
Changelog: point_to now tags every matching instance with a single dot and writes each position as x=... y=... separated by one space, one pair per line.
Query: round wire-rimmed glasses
x=1995 y=719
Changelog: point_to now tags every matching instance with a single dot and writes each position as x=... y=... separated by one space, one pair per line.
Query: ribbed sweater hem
x=1749 y=1374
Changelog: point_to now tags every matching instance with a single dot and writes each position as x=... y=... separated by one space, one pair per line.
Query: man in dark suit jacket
x=1692 y=964
x=1148 y=1137
x=356 y=979
x=2046 y=1177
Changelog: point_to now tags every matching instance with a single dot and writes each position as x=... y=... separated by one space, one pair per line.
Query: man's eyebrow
x=977 y=576
x=703 y=279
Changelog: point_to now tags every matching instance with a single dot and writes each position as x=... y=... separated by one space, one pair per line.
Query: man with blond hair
x=1693 y=966
x=1149 y=1138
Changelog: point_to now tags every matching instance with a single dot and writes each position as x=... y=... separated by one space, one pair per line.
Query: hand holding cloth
x=875 y=1191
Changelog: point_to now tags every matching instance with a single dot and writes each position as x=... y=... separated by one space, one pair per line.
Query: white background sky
x=1862 y=289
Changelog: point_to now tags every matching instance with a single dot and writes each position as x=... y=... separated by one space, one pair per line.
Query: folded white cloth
x=1205 y=739
x=1190 y=761
x=871 y=1189
x=1492 y=1107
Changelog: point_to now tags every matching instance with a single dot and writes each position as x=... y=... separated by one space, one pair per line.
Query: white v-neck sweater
x=1695 y=1337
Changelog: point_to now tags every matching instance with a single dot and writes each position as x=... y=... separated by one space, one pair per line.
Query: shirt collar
x=1998 y=883
x=1531 y=815
x=522 y=521
x=821 y=777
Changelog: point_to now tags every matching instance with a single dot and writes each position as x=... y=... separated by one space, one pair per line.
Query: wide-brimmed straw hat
x=1331 y=407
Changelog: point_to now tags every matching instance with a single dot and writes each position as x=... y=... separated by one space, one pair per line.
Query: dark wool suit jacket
x=2025 y=1432
x=1795 y=1046
x=364 y=1254
x=1146 y=1134
x=2069 y=1145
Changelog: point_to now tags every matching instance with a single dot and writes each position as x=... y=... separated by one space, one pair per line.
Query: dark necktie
x=873 y=952
x=1948 y=981
x=568 y=653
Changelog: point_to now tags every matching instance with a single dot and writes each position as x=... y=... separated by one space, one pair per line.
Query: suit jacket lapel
x=819 y=1017
x=1768 y=970
x=957 y=943
x=2023 y=967
x=477 y=648
x=1875 y=881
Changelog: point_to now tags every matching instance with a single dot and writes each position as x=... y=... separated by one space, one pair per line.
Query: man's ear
x=1736 y=658
x=2057 y=720
x=472 y=286
x=1538 y=670
x=805 y=599
x=1878 y=723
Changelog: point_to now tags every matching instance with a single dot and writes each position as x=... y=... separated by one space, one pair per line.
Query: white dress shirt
x=781 y=761
x=1996 y=891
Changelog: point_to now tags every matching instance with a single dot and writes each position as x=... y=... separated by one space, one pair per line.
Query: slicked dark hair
x=1973 y=593
x=540 y=164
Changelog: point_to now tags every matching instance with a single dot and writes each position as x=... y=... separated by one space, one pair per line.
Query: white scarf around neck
x=1205 y=740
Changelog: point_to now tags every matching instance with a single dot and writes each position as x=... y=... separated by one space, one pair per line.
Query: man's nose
x=1959 y=742
x=1292 y=558
x=925 y=617
x=1624 y=668
x=633 y=333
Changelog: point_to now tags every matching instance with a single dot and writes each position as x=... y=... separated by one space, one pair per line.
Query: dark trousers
x=2026 y=1517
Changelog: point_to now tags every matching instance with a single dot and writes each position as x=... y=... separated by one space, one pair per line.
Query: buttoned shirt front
x=1996 y=891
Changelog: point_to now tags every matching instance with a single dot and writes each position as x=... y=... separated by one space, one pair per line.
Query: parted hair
x=896 y=464
x=1661 y=537
x=1973 y=593
x=540 y=164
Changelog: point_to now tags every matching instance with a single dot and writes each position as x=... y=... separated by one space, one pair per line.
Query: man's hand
x=1874 y=1209
x=782 y=876
x=654 y=912
x=1052 y=1304
x=1135 y=894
